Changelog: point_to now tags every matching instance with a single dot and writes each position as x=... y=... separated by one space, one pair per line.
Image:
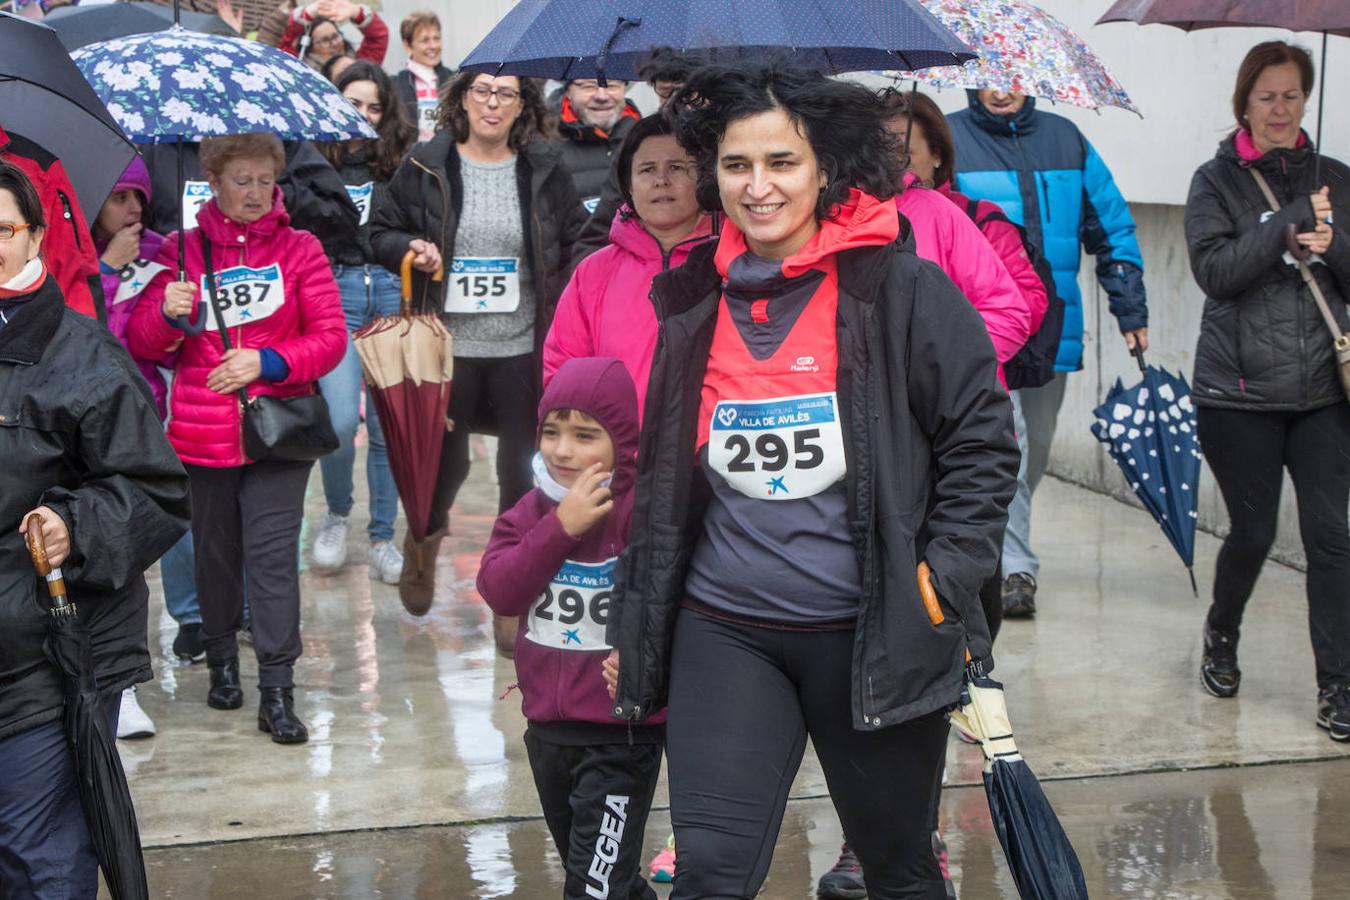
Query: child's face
x=426 y=46
x=570 y=445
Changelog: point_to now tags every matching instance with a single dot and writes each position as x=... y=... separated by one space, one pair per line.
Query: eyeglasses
x=8 y=230
x=505 y=96
x=329 y=40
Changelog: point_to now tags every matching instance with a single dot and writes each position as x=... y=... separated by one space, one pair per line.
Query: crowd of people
x=750 y=360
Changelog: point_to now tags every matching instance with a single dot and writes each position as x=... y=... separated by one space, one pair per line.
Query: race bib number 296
x=785 y=448
x=573 y=611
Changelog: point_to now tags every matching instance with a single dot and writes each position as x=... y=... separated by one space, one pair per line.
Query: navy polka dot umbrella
x=566 y=39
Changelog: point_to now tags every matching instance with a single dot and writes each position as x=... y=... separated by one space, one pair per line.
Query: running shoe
x=330 y=544
x=132 y=722
x=845 y=880
x=1333 y=711
x=1219 y=673
x=1019 y=596
x=940 y=851
x=663 y=864
x=386 y=562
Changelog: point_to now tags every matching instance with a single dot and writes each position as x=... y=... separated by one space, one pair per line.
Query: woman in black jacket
x=490 y=201
x=368 y=290
x=83 y=447
x=1266 y=384
x=823 y=414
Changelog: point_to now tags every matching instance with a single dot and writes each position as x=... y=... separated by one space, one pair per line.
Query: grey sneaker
x=1333 y=711
x=386 y=562
x=330 y=543
x=1019 y=596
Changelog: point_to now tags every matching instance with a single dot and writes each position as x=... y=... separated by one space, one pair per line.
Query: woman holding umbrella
x=1266 y=391
x=808 y=439
x=82 y=447
x=492 y=204
x=281 y=306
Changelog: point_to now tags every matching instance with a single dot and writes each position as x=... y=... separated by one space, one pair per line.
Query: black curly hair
x=841 y=120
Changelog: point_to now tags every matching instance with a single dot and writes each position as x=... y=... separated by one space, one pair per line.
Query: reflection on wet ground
x=415 y=782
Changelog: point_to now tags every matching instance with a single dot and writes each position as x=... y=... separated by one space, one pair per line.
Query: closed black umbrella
x=44 y=98
x=78 y=26
x=104 y=795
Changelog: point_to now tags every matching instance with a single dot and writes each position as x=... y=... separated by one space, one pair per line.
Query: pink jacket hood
x=605 y=309
x=946 y=236
x=308 y=330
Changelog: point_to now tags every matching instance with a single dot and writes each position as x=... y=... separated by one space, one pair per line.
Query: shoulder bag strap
x=1303 y=269
x=211 y=301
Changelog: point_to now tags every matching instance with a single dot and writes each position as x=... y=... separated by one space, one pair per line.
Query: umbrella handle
x=930 y=598
x=1296 y=250
x=1138 y=353
x=37 y=548
x=405 y=281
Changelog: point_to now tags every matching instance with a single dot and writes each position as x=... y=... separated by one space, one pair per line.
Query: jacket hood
x=628 y=233
x=601 y=388
x=136 y=177
x=860 y=221
x=224 y=230
x=1021 y=122
x=572 y=127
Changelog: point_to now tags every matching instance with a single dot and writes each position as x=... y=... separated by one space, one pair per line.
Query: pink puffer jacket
x=946 y=236
x=308 y=330
x=605 y=309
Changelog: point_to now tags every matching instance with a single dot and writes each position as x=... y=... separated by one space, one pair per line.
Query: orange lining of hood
x=860 y=221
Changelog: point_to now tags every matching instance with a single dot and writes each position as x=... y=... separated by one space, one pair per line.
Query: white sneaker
x=330 y=544
x=386 y=562
x=132 y=722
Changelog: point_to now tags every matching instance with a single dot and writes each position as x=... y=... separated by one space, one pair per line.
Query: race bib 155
x=482 y=284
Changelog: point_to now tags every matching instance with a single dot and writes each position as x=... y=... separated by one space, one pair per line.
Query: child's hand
x=587 y=502
x=611 y=670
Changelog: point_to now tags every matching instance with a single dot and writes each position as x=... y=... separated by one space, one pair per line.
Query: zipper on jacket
x=445 y=209
x=1045 y=192
x=70 y=217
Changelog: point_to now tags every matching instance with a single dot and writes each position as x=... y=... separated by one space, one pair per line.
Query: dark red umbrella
x=409 y=360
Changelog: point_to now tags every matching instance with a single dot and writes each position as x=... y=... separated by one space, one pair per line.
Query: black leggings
x=501 y=391
x=1247 y=452
x=743 y=700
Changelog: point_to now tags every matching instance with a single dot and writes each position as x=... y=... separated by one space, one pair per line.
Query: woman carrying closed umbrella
x=808 y=439
x=83 y=447
x=490 y=202
x=1266 y=389
x=278 y=299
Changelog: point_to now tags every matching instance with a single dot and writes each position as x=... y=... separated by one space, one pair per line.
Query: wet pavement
x=415 y=782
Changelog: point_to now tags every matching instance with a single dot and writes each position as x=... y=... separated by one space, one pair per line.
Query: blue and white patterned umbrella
x=175 y=85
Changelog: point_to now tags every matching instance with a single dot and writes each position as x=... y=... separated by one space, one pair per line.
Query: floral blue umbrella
x=179 y=86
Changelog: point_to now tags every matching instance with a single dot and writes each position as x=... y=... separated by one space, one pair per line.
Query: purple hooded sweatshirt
x=558 y=585
x=122 y=289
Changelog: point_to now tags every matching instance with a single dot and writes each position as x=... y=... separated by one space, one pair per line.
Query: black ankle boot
x=225 y=692
x=1219 y=671
x=276 y=715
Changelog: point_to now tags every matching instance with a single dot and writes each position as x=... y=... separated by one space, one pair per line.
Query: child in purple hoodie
x=550 y=561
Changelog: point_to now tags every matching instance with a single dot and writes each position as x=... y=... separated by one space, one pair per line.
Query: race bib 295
x=784 y=448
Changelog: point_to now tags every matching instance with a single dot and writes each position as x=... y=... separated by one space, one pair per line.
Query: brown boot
x=504 y=630
x=417 y=581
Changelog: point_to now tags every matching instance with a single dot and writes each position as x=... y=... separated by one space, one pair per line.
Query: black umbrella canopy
x=79 y=26
x=44 y=98
x=1331 y=16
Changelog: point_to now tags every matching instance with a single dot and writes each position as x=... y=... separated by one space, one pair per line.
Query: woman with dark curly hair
x=810 y=437
x=490 y=201
x=368 y=290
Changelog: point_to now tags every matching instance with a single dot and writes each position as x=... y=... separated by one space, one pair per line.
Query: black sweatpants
x=246 y=525
x=1247 y=451
x=743 y=700
x=501 y=391
x=596 y=799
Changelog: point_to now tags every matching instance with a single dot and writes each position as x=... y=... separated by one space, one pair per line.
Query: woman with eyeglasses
x=489 y=201
x=314 y=33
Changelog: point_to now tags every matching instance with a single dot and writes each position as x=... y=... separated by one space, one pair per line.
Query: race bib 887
x=245 y=295
x=572 y=612
x=785 y=448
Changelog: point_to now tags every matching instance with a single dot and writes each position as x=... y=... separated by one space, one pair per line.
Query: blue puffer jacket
x=1049 y=180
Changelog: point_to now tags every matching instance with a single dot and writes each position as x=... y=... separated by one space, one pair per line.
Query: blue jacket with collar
x=1048 y=179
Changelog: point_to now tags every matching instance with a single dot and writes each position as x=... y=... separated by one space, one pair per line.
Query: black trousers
x=501 y=391
x=596 y=799
x=246 y=525
x=1248 y=451
x=743 y=700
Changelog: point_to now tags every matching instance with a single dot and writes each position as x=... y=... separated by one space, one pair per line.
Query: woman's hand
x=428 y=257
x=238 y=368
x=587 y=502
x=180 y=299
x=610 y=668
x=123 y=247
x=1137 y=338
x=55 y=534
x=1319 y=239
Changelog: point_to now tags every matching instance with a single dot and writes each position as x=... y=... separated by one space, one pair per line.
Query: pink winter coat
x=308 y=330
x=944 y=235
x=605 y=309
x=1006 y=240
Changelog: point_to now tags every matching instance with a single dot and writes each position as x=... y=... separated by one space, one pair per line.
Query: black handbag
x=294 y=429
